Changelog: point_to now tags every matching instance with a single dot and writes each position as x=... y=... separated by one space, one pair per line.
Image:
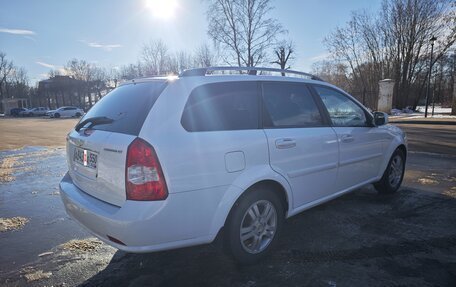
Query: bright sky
x=46 y=34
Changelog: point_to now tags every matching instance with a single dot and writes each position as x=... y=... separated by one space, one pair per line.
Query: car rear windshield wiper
x=93 y=122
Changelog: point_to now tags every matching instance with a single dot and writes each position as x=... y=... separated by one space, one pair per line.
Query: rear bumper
x=144 y=226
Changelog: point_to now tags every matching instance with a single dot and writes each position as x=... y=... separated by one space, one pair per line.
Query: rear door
x=360 y=144
x=302 y=146
x=96 y=154
x=223 y=137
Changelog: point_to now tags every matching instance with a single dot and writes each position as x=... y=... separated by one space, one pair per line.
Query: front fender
x=398 y=139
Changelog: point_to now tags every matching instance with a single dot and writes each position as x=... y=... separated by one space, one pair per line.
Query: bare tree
x=82 y=71
x=131 y=71
x=204 y=57
x=99 y=83
x=155 y=57
x=79 y=70
x=284 y=53
x=14 y=82
x=333 y=72
x=6 y=67
x=17 y=83
x=243 y=30
x=179 y=62
x=54 y=72
x=395 y=44
x=345 y=45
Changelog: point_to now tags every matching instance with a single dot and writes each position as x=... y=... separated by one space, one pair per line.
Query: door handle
x=347 y=138
x=285 y=143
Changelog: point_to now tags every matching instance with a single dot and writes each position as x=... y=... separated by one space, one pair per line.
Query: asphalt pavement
x=440 y=139
x=360 y=239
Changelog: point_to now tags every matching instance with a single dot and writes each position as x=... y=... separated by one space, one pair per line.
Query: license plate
x=85 y=157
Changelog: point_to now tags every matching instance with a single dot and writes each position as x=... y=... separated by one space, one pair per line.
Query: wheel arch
x=274 y=185
x=403 y=148
x=390 y=152
x=240 y=187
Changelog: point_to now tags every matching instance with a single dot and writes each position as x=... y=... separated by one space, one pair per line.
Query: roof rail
x=251 y=71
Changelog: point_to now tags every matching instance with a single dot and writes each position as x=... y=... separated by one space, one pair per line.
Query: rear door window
x=222 y=106
x=128 y=107
x=289 y=105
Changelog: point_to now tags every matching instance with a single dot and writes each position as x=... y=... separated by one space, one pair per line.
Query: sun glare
x=162 y=9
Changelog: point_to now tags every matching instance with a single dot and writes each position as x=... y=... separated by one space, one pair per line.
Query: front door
x=360 y=144
x=302 y=146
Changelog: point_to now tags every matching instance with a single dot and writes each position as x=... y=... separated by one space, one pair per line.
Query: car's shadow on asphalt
x=361 y=235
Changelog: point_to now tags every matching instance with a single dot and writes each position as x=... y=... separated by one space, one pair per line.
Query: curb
x=423 y=122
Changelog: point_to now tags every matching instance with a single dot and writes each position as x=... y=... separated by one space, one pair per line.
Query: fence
x=367 y=98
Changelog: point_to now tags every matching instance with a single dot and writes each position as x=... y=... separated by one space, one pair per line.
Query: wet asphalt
x=34 y=194
x=360 y=239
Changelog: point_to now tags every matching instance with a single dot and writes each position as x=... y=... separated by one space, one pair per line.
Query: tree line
x=393 y=44
x=81 y=83
x=14 y=81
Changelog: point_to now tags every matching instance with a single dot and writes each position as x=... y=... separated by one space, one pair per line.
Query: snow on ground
x=437 y=109
x=439 y=112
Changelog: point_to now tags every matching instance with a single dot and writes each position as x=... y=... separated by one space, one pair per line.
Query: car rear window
x=128 y=107
x=222 y=106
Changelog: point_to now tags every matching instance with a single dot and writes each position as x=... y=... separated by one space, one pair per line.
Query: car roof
x=234 y=73
x=253 y=71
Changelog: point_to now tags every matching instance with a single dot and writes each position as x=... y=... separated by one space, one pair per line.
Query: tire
x=31 y=115
x=78 y=115
x=56 y=115
x=393 y=175
x=254 y=225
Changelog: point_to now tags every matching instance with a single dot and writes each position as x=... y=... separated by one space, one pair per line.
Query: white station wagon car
x=65 y=112
x=163 y=163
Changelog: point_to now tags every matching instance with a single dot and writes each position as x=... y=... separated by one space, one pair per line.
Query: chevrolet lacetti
x=162 y=163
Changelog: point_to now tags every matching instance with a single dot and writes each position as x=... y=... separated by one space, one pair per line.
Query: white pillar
x=385 y=95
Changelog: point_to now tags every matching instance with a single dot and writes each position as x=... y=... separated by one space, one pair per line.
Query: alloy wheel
x=258 y=226
x=396 y=170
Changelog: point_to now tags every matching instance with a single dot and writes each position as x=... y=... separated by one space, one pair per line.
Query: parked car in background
x=40 y=111
x=15 y=112
x=163 y=163
x=65 y=112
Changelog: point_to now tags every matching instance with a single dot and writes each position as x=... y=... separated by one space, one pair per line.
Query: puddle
x=33 y=194
x=57 y=220
x=20 y=161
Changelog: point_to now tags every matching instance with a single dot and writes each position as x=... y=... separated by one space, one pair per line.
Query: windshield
x=127 y=106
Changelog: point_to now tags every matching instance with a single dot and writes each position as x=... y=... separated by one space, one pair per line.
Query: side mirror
x=380 y=118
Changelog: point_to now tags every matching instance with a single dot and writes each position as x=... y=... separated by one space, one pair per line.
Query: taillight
x=144 y=178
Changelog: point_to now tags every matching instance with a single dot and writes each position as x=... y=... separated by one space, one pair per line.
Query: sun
x=162 y=9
